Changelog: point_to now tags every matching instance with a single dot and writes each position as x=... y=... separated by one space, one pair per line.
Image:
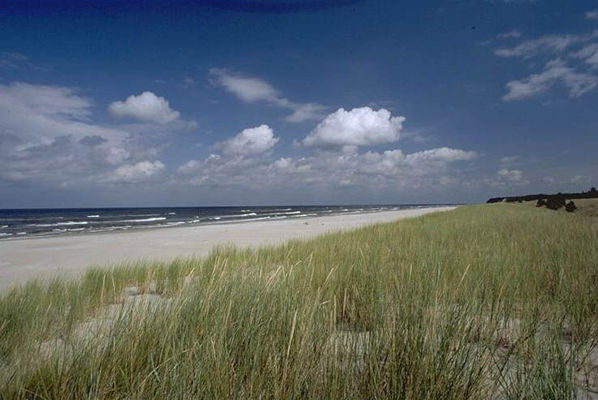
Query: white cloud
x=189 y=167
x=577 y=83
x=565 y=50
x=509 y=160
x=548 y=43
x=117 y=155
x=305 y=112
x=417 y=136
x=592 y=14
x=145 y=107
x=358 y=127
x=283 y=163
x=47 y=101
x=511 y=175
x=506 y=177
x=47 y=135
x=513 y=33
x=138 y=172
x=189 y=82
x=589 y=54
x=250 y=141
x=255 y=89
x=39 y=114
x=430 y=163
x=389 y=169
x=442 y=154
x=247 y=89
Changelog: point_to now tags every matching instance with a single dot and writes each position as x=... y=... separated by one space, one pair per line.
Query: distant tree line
x=592 y=193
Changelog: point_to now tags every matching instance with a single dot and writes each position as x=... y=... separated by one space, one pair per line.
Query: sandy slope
x=23 y=259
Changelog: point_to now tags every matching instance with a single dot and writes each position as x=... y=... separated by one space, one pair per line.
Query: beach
x=47 y=257
x=453 y=298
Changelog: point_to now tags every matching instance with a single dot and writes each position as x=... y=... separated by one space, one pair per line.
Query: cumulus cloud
x=282 y=163
x=189 y=167
x=507 y=177
x=249 y=141
x=145 y=107
x=252 y=90
x=577 y=83
x=592 y=14
x=358 y=127
x=47 y=134
x=512 y=175
x=138 y=172
x=391 y=168
x=426 y=163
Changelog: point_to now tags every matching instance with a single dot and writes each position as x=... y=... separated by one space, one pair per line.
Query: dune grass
x=585 y=207
x=493 y=301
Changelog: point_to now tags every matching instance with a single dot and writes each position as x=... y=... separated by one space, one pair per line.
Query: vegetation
x=585 y=207
x=590 y=194
x=493 y=301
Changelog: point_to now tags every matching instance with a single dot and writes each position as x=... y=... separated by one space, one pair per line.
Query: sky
x=262 y=102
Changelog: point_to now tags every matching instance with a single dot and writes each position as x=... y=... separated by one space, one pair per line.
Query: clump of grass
x=481 y=302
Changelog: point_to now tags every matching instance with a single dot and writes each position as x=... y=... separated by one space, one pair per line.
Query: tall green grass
x=481 y=302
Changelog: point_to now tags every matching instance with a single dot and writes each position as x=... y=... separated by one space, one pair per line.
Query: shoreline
x=142 y=228
x=47 y=257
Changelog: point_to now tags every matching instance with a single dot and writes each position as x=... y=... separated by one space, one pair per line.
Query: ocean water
x=50 y=222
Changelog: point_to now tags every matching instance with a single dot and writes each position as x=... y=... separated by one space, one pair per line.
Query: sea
x=27 y=223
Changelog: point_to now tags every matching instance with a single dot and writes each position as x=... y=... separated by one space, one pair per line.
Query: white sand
x=23 y=259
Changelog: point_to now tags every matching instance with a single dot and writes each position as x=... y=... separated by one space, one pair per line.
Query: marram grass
x=482 y=302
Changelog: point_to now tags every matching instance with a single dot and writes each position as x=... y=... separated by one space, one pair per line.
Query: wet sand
x=24 y=259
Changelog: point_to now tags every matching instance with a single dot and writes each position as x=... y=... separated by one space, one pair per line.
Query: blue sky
x=321 y=102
